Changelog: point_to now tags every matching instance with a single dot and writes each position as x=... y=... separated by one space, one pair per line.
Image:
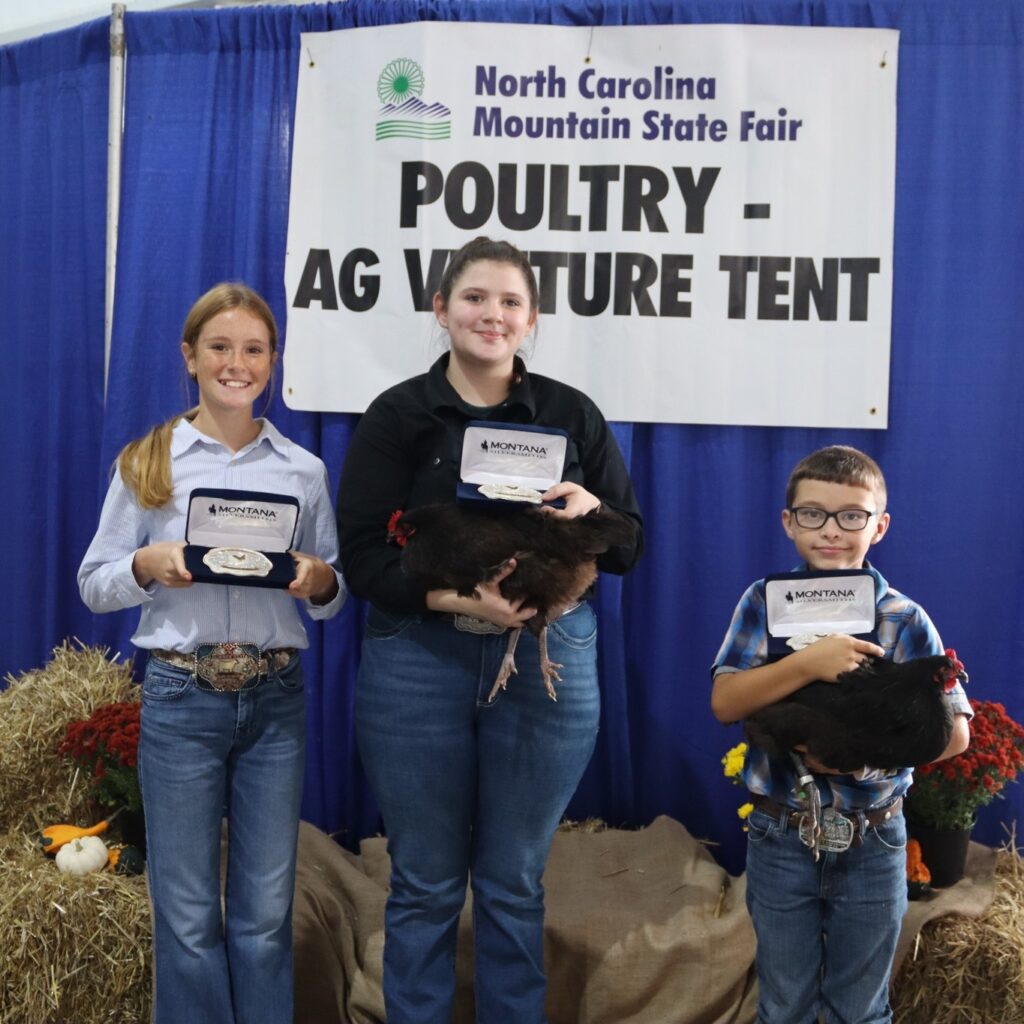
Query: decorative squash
x=917 y=870
x=53 y=837
x=126 y=860
x=918 y=876
x=82 y=856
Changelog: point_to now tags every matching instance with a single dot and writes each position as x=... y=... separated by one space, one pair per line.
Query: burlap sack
x=642 y=928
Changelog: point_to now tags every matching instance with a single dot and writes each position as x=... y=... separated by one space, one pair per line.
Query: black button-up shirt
x=407 y=452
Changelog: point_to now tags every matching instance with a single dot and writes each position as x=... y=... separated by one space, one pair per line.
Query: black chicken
x=883 y=714
x=450 y=546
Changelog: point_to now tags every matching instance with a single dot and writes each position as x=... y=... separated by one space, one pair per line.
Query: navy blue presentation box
x=254 y=520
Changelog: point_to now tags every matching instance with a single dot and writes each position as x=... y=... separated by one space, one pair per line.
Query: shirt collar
x=440 y=394
x=185 y=437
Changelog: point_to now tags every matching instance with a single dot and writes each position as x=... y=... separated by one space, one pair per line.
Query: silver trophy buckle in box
x=803 y=607
x=241 y=538
x=511 y=463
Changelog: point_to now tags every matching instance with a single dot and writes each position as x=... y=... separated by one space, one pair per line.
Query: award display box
x=510 y=463
x=805 y=606
x=241 y=538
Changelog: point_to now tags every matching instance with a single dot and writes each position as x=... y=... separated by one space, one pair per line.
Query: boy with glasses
x=827 y=922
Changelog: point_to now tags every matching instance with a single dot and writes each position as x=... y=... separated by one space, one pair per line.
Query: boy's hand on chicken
x=826 y=659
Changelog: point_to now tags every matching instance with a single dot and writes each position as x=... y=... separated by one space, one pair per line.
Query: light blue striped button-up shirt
x=179 y=619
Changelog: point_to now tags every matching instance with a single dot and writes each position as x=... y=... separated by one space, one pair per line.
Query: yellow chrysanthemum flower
x=733 y=761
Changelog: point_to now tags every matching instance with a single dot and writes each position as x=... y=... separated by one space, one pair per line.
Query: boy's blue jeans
x=826 y=930
x=201 y=754
x=468 y=788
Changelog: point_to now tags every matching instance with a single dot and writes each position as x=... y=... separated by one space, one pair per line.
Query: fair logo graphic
x=483 y=444
x=404 y=114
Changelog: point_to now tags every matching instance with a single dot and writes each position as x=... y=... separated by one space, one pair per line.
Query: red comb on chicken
x=949 y=675
x=398 y=532
x=458 y=547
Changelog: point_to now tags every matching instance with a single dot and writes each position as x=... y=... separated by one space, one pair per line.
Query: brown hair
x=839 y=464
x=145 y=463
x=484 y=248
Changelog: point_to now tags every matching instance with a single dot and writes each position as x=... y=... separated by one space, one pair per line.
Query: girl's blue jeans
x=826 y=931
x=203 y=755
x=470 y=789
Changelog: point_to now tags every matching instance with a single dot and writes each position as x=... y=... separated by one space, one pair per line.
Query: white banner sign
x=709 y=209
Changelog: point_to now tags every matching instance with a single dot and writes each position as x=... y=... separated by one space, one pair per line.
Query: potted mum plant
x=105 y=747
x=942 y=804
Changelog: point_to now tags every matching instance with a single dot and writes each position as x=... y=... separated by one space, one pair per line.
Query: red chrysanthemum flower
x=948 y=794
x=105 y=747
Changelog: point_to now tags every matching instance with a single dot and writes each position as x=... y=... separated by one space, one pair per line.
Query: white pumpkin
x=82 y=856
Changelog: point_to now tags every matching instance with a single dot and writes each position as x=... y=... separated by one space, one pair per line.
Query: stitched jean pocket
x=384 y=626
x=291 y=677
x=893 y=834
x=578 y=629
x=760 y=826
x=164 y=682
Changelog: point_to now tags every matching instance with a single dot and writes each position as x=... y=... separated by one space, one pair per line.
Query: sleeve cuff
x=325 y=611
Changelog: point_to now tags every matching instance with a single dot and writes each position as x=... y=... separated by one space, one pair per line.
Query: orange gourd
x=917 y=870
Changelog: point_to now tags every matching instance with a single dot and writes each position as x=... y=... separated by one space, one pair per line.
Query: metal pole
x=115 y=120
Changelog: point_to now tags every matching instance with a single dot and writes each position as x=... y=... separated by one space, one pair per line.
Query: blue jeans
x=202 y=755
x=468 y=788
x=826 y=931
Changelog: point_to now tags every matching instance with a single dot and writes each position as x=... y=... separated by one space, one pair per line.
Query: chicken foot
x=508 y=665
x=548 y=668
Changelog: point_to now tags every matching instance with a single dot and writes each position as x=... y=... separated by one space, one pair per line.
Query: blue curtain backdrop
x=204 y=197
x=53 y=183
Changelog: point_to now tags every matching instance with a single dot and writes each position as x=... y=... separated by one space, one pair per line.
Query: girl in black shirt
x=470 y=787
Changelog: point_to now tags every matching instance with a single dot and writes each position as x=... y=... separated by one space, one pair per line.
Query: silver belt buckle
x=228 y=667
x=836 y=835
x=471 y=624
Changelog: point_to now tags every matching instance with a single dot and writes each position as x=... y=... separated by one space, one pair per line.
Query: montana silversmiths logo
x=514 y=448
x=242 y=512
x=404 y=114
x=820 y=594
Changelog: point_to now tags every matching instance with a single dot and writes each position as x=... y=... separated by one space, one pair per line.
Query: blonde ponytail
x=145 y=464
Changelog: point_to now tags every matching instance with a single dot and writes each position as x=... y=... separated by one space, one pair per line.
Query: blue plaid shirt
x=904 y=631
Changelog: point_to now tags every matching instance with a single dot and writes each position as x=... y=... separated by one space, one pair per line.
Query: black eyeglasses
x=849 y=519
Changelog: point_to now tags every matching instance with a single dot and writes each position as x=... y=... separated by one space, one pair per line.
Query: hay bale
x=71 y=949
x=37 y=788
x=970 y=970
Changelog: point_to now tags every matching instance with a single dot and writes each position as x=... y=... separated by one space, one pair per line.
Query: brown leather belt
x=228 y=667
x=871 y=819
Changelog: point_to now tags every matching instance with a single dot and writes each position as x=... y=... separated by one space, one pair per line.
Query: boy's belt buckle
x=229 y=666
x=836 y=835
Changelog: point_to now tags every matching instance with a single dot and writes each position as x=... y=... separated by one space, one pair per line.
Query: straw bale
x=37 y=788
x=71 y=949
x=970 y=970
